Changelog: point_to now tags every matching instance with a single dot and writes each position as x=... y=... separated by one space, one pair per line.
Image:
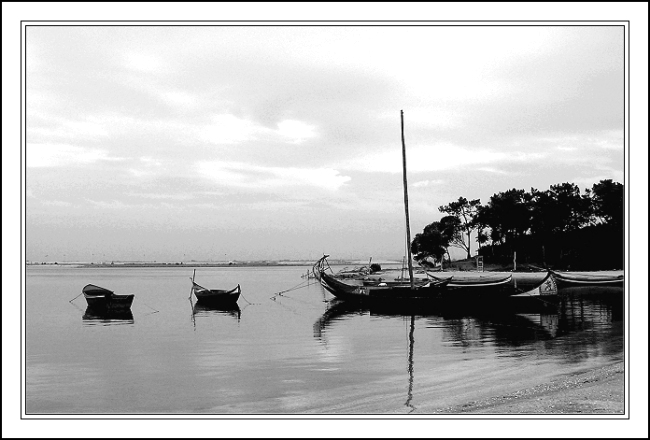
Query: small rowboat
x=99 y=298
x=215 y=296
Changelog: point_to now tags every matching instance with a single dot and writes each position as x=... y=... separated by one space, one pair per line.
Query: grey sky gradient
x=173 y=143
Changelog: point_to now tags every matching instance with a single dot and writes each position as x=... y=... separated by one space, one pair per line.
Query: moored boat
x=357 y=290
x=100 y=298
x=569 y=279
x=215 y=296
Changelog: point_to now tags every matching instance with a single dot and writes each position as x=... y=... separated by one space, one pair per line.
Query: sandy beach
x=596 y=392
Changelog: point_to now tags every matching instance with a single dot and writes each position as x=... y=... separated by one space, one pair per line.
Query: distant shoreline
x=455 y=266
x=193 y=265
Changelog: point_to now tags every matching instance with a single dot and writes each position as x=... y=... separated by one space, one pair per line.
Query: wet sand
x=599 y=391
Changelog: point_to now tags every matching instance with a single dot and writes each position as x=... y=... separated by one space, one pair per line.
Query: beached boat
x=587 y=279
x=214 y=296
x=99 y=298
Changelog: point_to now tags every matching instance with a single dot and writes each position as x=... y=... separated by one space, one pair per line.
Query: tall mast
x=406 y=205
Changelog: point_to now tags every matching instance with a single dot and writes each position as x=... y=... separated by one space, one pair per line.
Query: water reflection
x=409 y=394
x=581 y=325
x=98 y=317
x=212 y=310
x=588 y=313
x=506 y=325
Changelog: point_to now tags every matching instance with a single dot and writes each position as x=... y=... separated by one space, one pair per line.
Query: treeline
x=559 y=228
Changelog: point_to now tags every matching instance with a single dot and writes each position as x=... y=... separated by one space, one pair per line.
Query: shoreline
x=599 y=391
x=180 y=265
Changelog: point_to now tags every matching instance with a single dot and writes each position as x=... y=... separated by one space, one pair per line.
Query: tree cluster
x=559 y=227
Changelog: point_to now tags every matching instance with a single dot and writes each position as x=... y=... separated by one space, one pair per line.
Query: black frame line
x=320 y=23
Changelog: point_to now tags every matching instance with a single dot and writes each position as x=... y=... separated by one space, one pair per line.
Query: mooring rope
x=296 y=287
x=77 y=307
x=154 y=310
x=244 y=298
x=76 y=297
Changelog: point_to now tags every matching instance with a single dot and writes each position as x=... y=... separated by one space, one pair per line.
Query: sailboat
x=359 y=291
x=433 y=288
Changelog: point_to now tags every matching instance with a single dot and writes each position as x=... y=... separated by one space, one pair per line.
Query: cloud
x=58 y=155
x=178 y=98
x=48 y=127
x=143 y=62
x=113 y=204
x=426 y=183
x=230 y=129
x=588 y=182
x=585 y=142
x=491 y=170
x=147 y=166
x=58 y=203
x=438 y=157
x=296 y=130
x=160 y=196
x=243 y=175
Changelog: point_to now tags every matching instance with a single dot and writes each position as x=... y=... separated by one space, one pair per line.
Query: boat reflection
x=613 y=292
x=511 y=323
x=111 y=317
x=513 y=329
x=200 y=309
x=506 y=324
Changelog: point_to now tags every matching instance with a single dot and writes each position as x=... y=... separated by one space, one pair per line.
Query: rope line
x=77 y=307
x=76 y=297
x=244 y=298
x=154 y=310
x=296 y=287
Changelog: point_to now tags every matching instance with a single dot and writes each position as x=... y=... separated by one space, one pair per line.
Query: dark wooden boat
x=357 y=290
x=215 y=296
x=587 y=279
x=99 y=298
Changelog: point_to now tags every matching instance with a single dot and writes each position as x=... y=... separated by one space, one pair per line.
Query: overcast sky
x=178 y=143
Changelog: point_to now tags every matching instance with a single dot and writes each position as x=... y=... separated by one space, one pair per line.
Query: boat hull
x=469 y=289
x=101 y=299
x=114 y=302
x=587 y=279
x=357 y=290
x=215 y=297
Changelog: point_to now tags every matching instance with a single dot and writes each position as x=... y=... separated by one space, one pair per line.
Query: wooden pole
x=406 y=205
x=192 y=288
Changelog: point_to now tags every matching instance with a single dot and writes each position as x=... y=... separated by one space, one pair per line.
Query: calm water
x=302 y=353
